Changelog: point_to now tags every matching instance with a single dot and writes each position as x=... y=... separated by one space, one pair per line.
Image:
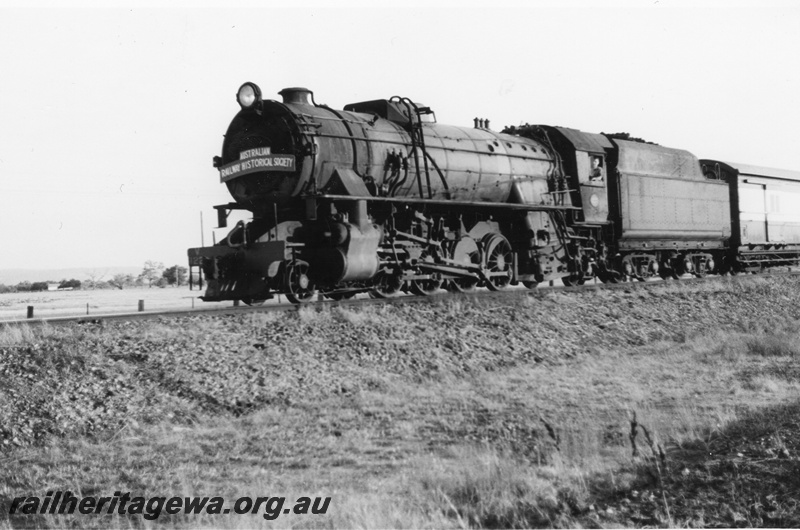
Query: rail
x=320 y=304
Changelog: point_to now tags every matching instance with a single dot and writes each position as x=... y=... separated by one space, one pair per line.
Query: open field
x=49 y=304
x=507 y=413
x=74 y=303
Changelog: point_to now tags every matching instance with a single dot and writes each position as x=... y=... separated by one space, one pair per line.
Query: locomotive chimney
x=296 y=95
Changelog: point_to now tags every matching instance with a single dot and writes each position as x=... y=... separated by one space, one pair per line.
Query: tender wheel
x=299 y=287
x=530 y=285
x=387 y=285
x=642 y=272
x=628 y=273
x=673 y=271
x=687 y=266
x=499 y=258
x=465 y=252
x=706 y=266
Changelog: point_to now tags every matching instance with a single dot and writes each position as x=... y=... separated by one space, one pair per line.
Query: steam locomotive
x=381 y=198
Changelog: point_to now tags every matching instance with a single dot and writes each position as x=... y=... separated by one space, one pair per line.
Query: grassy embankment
x=616 y=415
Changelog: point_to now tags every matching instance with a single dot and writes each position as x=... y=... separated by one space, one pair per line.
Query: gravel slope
x=86 y=379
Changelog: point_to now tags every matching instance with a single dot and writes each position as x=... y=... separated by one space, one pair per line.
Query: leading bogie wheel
x=387 y=285
x=299 y=286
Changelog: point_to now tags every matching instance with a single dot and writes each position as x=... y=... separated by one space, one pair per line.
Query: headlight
x=248 y=95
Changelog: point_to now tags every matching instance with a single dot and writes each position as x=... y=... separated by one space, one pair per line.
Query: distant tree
x=117 y=281
x=67 y=284
x=23 y=287
x=6 y=288
x=181 y=275
x=120 y=281
x=95 y=277
x=151 y=272
x=176 y=275
x=39 y=286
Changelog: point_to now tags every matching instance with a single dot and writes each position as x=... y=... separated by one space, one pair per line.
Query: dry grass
x=485 y=485
x=369 y=451
x=520 y=446
x=20 y=335
x=24 y=335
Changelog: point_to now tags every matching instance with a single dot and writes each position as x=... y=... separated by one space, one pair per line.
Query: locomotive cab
x=584 y=156
x=592 y=184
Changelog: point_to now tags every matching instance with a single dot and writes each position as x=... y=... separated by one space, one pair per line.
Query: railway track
x=365 y=300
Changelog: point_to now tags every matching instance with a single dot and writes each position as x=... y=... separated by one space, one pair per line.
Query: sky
x=111 y=112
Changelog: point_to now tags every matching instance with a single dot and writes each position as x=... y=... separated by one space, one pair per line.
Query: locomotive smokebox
x=296 y=95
